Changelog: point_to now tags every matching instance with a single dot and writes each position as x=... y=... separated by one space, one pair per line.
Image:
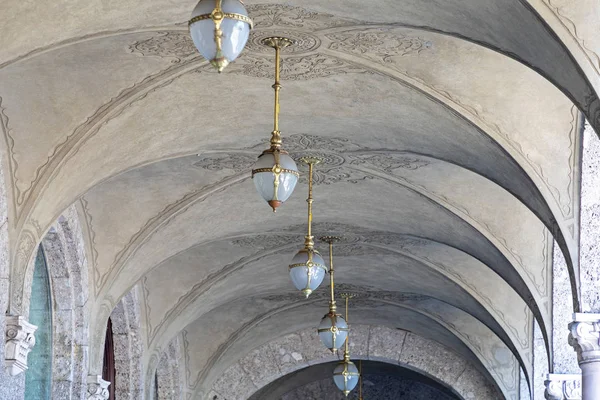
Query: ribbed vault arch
x=419 y=144
x=367 y=348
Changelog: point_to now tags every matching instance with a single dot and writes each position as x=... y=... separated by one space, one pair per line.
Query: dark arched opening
x=108 y=365
x=381 y=381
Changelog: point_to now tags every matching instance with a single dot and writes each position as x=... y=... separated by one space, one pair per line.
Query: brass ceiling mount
x=311 y=160
x=330 y=239
x=278 y=42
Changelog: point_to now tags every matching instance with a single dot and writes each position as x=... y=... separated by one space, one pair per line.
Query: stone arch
x=381 y=381
x=393 y=346
x=63 y=248
x=128 y=347
x=9 y=386
x=168 y=378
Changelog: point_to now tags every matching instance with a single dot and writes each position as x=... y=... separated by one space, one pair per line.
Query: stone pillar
x=584 y=336
x=563 y=387
x=97 y=388
x=20 y=340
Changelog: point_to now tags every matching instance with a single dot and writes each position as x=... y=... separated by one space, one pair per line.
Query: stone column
x=563 y=387
x=584 y=336
x=20 y=340
x=97 y=388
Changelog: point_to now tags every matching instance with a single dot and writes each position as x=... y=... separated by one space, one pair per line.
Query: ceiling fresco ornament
x=295 y=68
x=177 y=44
x=361 y=293
x=339 y=158
x=381 y=43
x=275 y=15
x=304 y=42
x=237 y=162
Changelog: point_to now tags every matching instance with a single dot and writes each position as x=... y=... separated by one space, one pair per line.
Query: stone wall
x=590 y=223
x=128 y=347
x=374 y=387
x=168 y=373
x=67 y=266
x=393 y=346
x=11 y=388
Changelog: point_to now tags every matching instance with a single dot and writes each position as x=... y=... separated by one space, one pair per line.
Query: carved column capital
x=563 y=387
x=20 y=339
x=584 y=336
x=97 y=388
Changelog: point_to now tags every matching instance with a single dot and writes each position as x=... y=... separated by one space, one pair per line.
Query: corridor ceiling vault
x=450 y=133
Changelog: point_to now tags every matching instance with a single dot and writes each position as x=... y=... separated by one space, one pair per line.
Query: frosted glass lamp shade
x=275 y=181
x=333 y=331
x=345 y=376
x=307 y=271
x=234 y=27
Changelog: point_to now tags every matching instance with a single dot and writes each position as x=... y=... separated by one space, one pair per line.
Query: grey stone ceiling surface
x=451 y=154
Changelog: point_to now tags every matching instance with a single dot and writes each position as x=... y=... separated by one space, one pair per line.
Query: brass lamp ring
x=315 y=265
x=218 y=15
x=283 y=170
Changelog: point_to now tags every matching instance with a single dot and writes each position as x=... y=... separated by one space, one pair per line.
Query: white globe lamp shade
x=220 y=34
x=307 y=271
x=346 y=376
x=333 y=331
x=275 y=175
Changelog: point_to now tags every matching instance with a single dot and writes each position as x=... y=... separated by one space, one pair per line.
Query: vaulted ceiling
x=450 y=134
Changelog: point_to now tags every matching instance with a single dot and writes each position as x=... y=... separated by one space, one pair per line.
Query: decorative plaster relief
x=339 y=157
x=20 y=339
x=563 y=387
x=569 y=24
x=269 y=15
x=97 y=388
x=584 y=337
x=381 y=44
x=176 y=44
x=294 y=68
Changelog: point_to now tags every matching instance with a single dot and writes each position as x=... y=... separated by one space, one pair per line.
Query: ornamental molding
x=20 y=339
x=563 y=387
x=584 y=337
x=380 y=44
x=97 y=388
x=293 y=68
x=343 y=160
x=561 y=13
